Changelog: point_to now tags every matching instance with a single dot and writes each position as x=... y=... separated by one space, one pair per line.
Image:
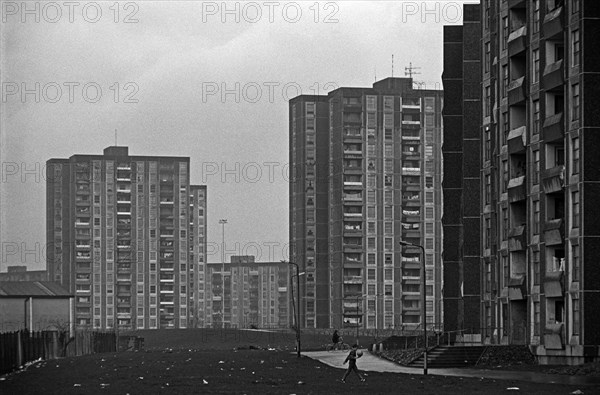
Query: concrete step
x=448 y=356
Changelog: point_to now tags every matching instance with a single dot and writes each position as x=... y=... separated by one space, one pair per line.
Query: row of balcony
x=553 y=181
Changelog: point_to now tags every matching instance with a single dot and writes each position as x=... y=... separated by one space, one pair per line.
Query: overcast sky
x=161 y=68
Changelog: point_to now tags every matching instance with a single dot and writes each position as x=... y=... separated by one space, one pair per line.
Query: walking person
x=351 y=359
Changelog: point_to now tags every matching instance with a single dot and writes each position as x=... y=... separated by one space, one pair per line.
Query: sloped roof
x=32 y=288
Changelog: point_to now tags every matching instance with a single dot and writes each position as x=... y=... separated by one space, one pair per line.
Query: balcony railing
x=553 y=128
x=353 y=279
x=517 y=140
x=553 y=75
x=554 y=232
x=516 y=91
x=517 y=238
x=553 y=23
x=553 y=180
x=517 y=41
x=517 y=189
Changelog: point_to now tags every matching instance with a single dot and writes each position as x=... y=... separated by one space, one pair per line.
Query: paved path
x=369 y=362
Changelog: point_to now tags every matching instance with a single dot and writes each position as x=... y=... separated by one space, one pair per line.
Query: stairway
x=450 y=356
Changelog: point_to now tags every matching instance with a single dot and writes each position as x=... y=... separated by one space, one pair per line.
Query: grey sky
x=172 y=59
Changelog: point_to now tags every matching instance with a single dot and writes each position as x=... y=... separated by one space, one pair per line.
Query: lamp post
x=424 y=295
x=297 y=306
x=223 y=222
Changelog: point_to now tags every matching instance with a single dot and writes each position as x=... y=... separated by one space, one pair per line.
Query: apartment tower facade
x=539 y=177
x=377 y=154
x=119 y=238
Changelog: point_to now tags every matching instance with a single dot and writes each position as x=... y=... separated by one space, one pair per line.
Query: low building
x=244 y=294
x=20 y=273
x=34 y=305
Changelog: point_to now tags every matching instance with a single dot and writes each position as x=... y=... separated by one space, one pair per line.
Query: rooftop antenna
x=392 y=65
x=115 y=137
x=410 y=70
x=375 y=73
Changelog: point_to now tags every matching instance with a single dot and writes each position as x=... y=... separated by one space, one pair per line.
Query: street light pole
x=424 y=296
x=223 y=222
x=297 y=306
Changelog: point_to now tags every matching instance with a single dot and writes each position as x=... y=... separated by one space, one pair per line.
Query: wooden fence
x=19 y=348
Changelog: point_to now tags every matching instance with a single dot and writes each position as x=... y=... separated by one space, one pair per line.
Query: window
x=504 y=32
x=575 y=209
x=487 y=235
x=536 y=65
x=536 y=217
x=371 y=259
x=536 y=16
x=504 y=183
x=576 y=320
x=575 y=263
x=388 y=289
x=487 y=59
x=576 y=47
x=536 y=167
x=487 y=99
x=389 y=243
x=575 y=102
x=486 y=17
x=428 y=197
x=429 y=212
x=505 y=127
x=488 y=189
x=536 y=116
x=371 y=196
x=574 y=6
x=428 y=259
x=429 y=243
x=536 y=318
x=388 y=212
x=371 y=289
x=371 y=274
x=429 y=228
x=371 y=243
x=487 y=142
x=371 y=212
x=504 y=79
x=504 y=223
x=388 y=228
x=371 y=227
x=575 y=155
x=388 y=275
x=505 y=270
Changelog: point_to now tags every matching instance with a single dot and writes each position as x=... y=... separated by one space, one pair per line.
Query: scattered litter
x=271 y=349
x=577 y=392
x=221 y=361
x=76 y=385
x=242 y=368
x=512 y=388
x=140 y=378
x=317 y=367
x=104 y=385
x=204 y=381
x=4 y=378
x=278 y=367
x=262 y=361
x=300 y=382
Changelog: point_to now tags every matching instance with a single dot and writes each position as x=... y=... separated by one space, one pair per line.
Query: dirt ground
x=233 y=366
